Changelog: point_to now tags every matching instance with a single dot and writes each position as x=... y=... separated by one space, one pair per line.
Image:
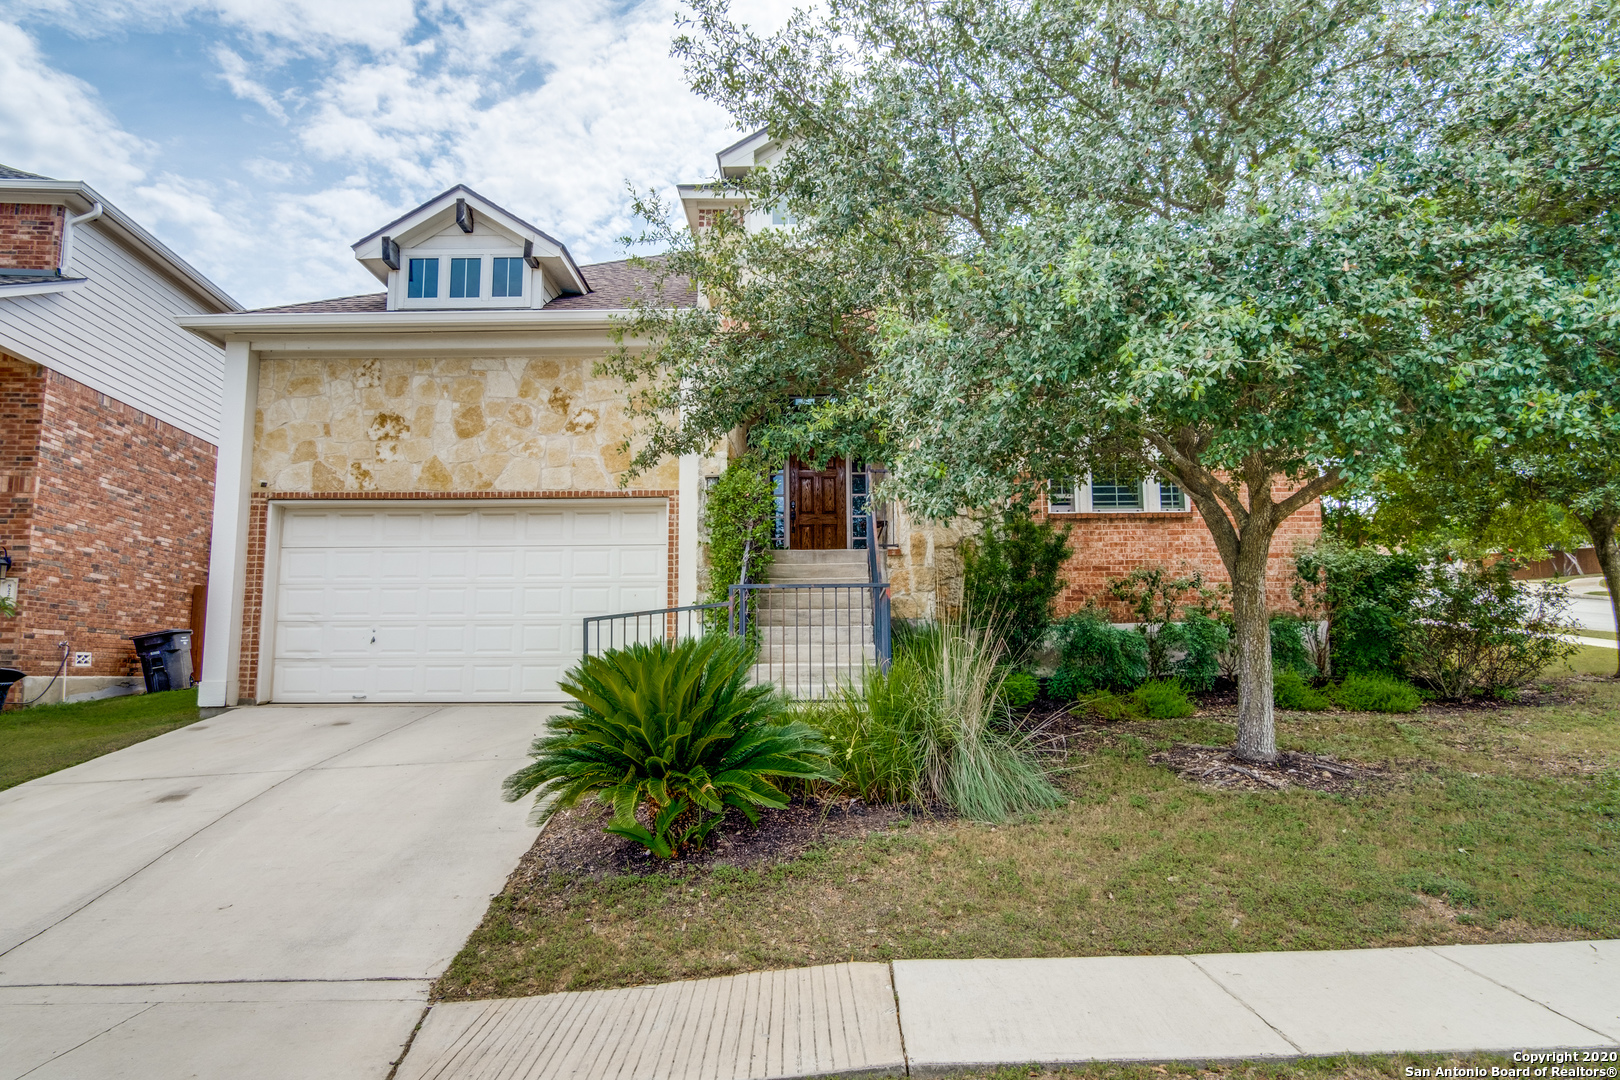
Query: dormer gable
x=460 y=250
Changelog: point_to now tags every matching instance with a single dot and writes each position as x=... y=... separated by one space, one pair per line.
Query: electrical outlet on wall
x=81 y=659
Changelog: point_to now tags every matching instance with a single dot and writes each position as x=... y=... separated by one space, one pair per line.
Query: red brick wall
x=120 y=520
x=30 y=235
x=1111 y=545
x=22 y=405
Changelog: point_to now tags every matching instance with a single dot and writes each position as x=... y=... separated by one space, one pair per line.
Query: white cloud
x=54 y=124
x=234 y=70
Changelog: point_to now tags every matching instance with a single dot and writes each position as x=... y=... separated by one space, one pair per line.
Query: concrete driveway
x=268 y=893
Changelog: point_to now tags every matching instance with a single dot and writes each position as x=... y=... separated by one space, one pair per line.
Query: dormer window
x=424 y=279
x=507 y=280
x=464 y=278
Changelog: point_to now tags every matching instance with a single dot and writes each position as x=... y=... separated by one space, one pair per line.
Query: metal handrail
x=671 y=617
x=882 y=641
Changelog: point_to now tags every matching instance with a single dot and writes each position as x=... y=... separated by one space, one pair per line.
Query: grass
x=1345 y=1067
x=1493 y=825
x=44 y=738
x=1593 y=660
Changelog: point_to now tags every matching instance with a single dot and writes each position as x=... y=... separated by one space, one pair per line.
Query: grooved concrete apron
x=268 y=893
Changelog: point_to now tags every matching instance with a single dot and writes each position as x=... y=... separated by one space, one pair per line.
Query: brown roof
x=613 y=286
x=368 y=302
x=617 y=284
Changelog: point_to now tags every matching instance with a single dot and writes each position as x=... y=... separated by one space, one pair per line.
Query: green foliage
x=1108 y=706
x=1289 y=690
x=739 y=514
x=1288 y=651
x=1473 y=630
x=1459 y=893
x=1010 y=578
x=1366 y=594
x=1163 y=699
x=1376 y=693
x=933 y=729
x=674 y=731
x=1020 y=689
x=1202 y=641
x=1156 y=597
x=1095 y=655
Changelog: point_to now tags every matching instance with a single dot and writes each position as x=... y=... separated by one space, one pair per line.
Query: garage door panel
x=442 y=604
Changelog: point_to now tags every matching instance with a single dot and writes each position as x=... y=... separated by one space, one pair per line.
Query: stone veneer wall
x=442 y=424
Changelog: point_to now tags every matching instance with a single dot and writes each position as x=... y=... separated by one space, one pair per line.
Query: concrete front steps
x=811 y=640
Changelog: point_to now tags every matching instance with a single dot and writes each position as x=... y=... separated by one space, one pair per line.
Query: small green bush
x=1288 y=651
x=1095 y=655
x=1010 y=578
x=1202 y=640
x=1105 y=705
x=1163 y=699
x=1367 y=594
x=1289 y=690
x=1020 y=689
x=1376 y=693
x=675 y=731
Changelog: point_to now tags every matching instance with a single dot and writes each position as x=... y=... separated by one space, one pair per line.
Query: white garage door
x=452 y=603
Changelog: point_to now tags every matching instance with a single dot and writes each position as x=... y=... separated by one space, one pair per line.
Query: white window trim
x=1150 y=501
x=400 y=282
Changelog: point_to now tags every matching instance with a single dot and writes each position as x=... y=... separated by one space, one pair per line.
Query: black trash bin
x=8 y=677
x=165 y=659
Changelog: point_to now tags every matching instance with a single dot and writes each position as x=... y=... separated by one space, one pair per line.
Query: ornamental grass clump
x=669 y=736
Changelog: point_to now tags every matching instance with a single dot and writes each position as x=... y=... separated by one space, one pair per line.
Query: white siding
x=117 y=335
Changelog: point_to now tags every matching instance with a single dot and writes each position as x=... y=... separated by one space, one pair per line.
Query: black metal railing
x=811 y=637
x=603 y=632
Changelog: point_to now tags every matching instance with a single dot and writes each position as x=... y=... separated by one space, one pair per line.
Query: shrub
x=1473 y=629
x=1105 y=705
x=1155 y=597
x=1376 y=693
x=1020 y=689
x=1010 y=578
x=1289 y=690
x=1202 y=640
x=1163 y=699
x=740 y=515
x=672 y=730
x=1366 y=594
x=933 y=729
x=1288 y=652
x=1094 y=655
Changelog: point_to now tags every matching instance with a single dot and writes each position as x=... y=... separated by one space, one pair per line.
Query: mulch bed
x=573 y=842
x=1219 y=767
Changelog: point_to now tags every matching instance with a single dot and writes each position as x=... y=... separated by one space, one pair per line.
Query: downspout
x=67 y=235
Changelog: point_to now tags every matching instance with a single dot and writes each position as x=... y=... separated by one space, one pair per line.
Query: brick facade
x=31 y=235
x=106 y=512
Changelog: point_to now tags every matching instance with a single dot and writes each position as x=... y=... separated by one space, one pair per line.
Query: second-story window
x=464 y=277
x=424 y=279
x=507 y=280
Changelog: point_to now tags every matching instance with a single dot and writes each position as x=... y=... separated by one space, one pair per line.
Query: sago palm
x=675 y=730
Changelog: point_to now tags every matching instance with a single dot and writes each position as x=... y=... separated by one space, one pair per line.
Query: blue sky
x=259 y=138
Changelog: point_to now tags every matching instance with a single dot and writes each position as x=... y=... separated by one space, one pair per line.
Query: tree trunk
x=1601 y=528
x=1251 y=631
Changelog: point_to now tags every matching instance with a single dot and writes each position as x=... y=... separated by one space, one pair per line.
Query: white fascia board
x=44 y=285
x=738 y=158
x=326 y=325
x=80 y=197
x=695 y=197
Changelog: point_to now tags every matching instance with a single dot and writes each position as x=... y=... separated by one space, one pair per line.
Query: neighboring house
x=108 y=417
x=420 y=493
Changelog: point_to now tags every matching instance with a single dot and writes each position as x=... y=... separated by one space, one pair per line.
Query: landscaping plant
x=1163 y=699
x=739 y=515
x=1155 y=598
x=1203 y=641
x=1010 y=578
x=1473 y=630
x=1366 y=594
x=674 y=732
x=1376 y=693
x=1288 y=649
x=1020 y=689
x=1289 y=690
x=1093 y=655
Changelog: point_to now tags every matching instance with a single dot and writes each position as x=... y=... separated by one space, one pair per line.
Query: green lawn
x=44 y=738
x=1492 y=825
x=1594 y=659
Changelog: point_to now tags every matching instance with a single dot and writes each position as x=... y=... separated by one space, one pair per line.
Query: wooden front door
x=817 y=514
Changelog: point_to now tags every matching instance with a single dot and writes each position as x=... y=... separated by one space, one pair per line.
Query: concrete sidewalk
x=266 y=894
x=936 y=1016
